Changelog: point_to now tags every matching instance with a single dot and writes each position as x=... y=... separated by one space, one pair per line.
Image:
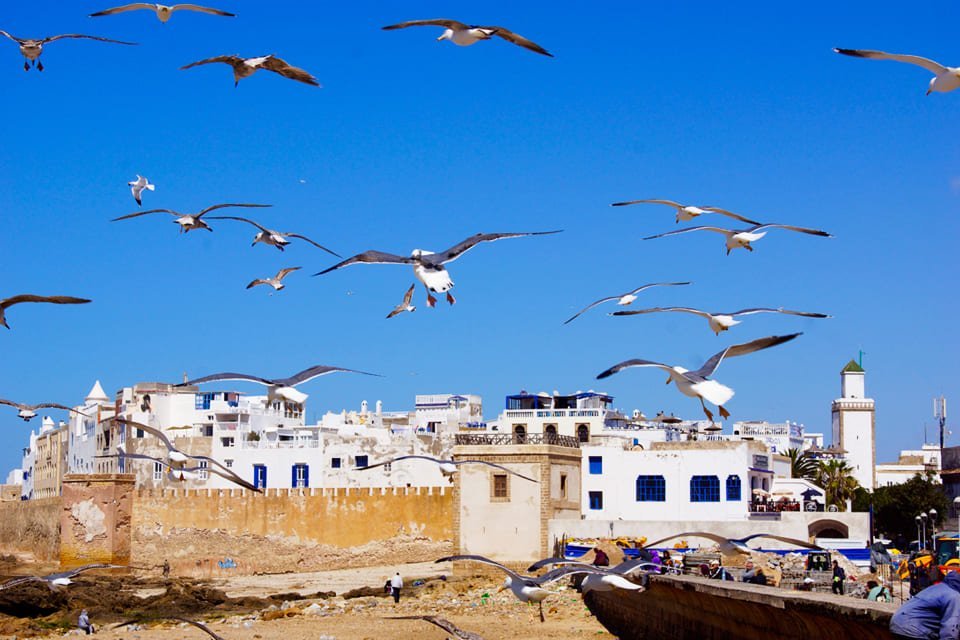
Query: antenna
x=940 y=413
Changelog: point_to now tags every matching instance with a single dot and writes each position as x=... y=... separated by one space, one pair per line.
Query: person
x=166 y=568
x=83 y=623
x=753 y=574
x=839 y=575
x=932 y=613
x=396 y=583
x=717 y=572
x=878 y=592
x=600 y=558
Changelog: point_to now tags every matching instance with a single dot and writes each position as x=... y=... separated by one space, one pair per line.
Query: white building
x=82 y=443
x=579 y=415
x=910 y=463
x=854 y=425
x=780 y=437
x=439 y=413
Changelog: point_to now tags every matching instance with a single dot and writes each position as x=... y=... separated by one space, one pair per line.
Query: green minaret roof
x=852 y=367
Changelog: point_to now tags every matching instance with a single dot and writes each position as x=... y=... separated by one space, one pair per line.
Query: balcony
x=516 y=439
x=554 y=413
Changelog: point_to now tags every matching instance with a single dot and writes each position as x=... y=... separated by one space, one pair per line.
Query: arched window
x=651 y=489
x=733 y=488
x=550 y=430
x=583 y=433
x=704 y=489
x=519 y=434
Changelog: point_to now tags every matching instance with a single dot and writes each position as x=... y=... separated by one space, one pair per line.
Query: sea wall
x=31 y=528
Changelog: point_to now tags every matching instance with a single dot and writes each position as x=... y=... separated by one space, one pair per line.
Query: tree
x=839 y=485
x=895 y=507
x=801 y=465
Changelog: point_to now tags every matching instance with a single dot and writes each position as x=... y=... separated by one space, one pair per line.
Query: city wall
x=31 y=529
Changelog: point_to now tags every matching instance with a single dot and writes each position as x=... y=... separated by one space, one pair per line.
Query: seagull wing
x=283 y=273
x=495 y=466
x=157 y=433
x=656 y=284
x=633 y=312
x=256 y=282
x=247 y=220
x=54 y=405
x=474 y=558
x=739 y=350
x=460 y=248
x=201 y=9
x=232 y=477
x=134 y=6
x=14 y=38
x=287 y=70
x=227 y=376
x=137 y=214
x=929 y=65
x=79 y=570
x=725 y=232
x=233 y=61
x=793 y=541
x=18 y=581
x=319 y=246
x=398 y=458
x=408 y=296
x=588 y=307
x=11 y=403
x=9 y=302
x=633 y=292
x=221 y=206
x=748 y=312
x=436 y=22
x=519 y=40
x=690 y=534
x=730 y=214
x=368 y=257
x=446 y=625
x=626 y=364
x=200 y=625
x=669 y=203
x=80 y=35
x=315 y=372
x=773 y=225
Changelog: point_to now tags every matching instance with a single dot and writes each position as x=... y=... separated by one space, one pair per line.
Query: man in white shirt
x=396 y=583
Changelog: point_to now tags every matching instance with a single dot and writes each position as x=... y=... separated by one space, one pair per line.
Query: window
x=596 y=500
x=157 y=471
x=139 y=433
x=550 y=430
x=334 y=463
x=361 y=461
x=260 y=476
x=596 y=465
x=651 y=489
x=733 y=488
x=563 y=486
x=583 y=433
x=301 y=476
x=499 y=487
x=228 y=463
x=121 y=465
x=202 y=401
x=202 y=473
x=704 y=489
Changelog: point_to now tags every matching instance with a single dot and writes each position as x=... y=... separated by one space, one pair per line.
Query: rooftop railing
x=506 y=439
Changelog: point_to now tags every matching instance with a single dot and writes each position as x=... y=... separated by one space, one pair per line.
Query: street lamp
x=933 y=528
x=923 y=528
x=956 y=507
x=918 y=532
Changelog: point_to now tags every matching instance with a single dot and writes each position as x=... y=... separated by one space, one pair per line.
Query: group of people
x=752 y=574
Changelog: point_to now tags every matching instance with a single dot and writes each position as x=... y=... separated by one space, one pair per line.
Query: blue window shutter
x=306 y=476
x=596 y=465
x=293 y=481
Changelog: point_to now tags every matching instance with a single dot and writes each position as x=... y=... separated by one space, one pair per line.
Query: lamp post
x=933 y=529
x=923 y=528
x=917 y=519
x=956 y=507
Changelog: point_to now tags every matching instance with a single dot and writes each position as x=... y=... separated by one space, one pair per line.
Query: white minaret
x=854 y=425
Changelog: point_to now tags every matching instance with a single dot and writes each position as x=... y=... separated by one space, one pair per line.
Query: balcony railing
x=553 y=413
x=506 y=438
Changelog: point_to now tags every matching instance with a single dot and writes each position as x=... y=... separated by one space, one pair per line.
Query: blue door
x=260 y=476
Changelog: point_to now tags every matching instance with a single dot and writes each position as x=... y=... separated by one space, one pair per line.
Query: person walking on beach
x=932 y=613
x=396 y=583
x=83 y=623
x=839 y=575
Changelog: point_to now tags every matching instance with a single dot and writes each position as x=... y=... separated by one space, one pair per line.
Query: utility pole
x=940 y=413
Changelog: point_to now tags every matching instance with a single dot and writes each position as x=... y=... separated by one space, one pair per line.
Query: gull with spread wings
x=273 y=238
x=246 y=67
x=447 y=467
x=405 y=304
x=29 y=411
x=623 y=299
x=31 y=48
x=276 y=281
x=720 y=321
x=179 y=472
x=188 y=222
x=688 y=212
x=465 y=35
x=732 y=545
x=944 y=80
x=742 y=239
x=26 y=297
x=164 y=12
x=60 y=579
x=278 y=388
x=137 y=186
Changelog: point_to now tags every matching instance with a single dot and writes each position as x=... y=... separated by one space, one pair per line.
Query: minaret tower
x=854 y=424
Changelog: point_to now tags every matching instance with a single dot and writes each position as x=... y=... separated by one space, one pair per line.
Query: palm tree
x=802 y=465
x=835 y=476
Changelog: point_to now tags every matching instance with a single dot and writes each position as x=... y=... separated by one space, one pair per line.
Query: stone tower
x=854 y=424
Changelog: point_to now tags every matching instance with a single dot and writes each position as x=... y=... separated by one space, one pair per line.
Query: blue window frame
x=651 y=489
x=704 y=489
x=596 y=465
x=203 y=400
x=596 y=500
x=362 y=461
x=334 y=463
x=260 y=476
x=301 y=476
x=733 y=488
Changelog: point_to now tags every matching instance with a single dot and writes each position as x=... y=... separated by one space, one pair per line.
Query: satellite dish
x=833 y=508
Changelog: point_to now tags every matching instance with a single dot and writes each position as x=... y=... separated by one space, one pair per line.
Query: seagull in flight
x=273 y=238
x=180 y=472
x=623 y=299
x=405 y=305
x=945 y=79
x=602 y=578
x=278 y=388
x=61 y=579
x=428 y=266
x=456 y=632
x=447 y=467
x=697 y=384
x=688 y=212
x=246 y=67
x=720 y=321
x=198 y=625
x=9 y=302
x=188 y=222
x=31 y=48
x=29 y=411
x=742 y=239
x=164 y=12
x=738 y=545
x=465 y=35
x=276 y=281
x=137 y=186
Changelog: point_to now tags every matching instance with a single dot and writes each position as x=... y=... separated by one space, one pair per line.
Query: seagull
x=743 y=238
x=32 y=48
x=466 y=35
x=601 y=578
x=446 y=625
x=945 y=79
x=721 y=321
x=428 y=266
x=188 y=222
x=688 y=212
x=163 y=11
x=697 y=384
x=405 y=305
x=62 y=579
x=137 y=187
x=29 y=411
x=246 y=67
x=624 y=298
x=739 y=545
x=273 y=238
x=198 y=625
x=176 y=473
x=276 y=281
x=447 y=467
x=9 y=302
x=279 y=388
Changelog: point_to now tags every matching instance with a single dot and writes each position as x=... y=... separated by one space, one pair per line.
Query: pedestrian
x=396 y=583
x=878 y=592
x=753 y=574
x=932 y=613
x=166 y=568
x=719 y=573
x=600 y=558
x=839 y=575
x=83 y=623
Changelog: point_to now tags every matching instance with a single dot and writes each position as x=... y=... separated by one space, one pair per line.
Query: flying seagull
x=279 y=388
x=29 y=411
x=405 y=305
x=428 y=266
x=731 y=545
x=137 y=186
x=945 y=79
x=720 y=321
x=456 y=632
x=601 y=578
x=276 y=281
x=744 y=238
x=466 y=35
x=198 y=625
x=32 y=48
x=9 y=302
x=163 y=11
x=273 y=238
x=688 y=212
x=179 y=472
x=191 y=221
x=61 y=579
x=246 y=67
x=447 y=467
x=697 y=384
x=623 y=298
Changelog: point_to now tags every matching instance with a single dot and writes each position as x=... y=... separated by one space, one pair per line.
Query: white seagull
x=720 y=321
x=697 y=384
x=31 y=48
x=180 y=472
x=61 y=579
x=945 y=79
x=137 y=186
x=164 y=12
x=279 y=388
x=27 y=412
x=738 y=545
x=688 y=212
x=742 y=239
x=276 y=281
x=466 y=35
x=273 y=238
x=405 y=305
x=623 y=299
x=9 y=302
x=188 y=222
x=447 y=467
x=246 y=67
x=428 y=266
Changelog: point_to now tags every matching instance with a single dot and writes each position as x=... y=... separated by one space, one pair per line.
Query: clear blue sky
x=414 y=143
